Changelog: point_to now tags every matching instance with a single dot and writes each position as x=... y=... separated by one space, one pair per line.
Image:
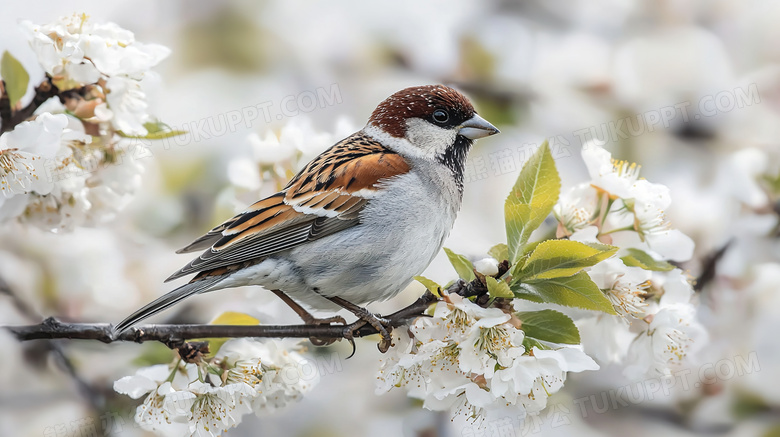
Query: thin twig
x=175 y=335
x=5 y=104
x=23 y=307
x=710 y=264
x=43 y=92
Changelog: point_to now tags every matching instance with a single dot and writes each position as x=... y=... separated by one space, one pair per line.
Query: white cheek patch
x=401 y=146
x=432 y=139
x=423 y=139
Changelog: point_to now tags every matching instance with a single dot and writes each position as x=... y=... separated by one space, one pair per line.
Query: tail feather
x=166 y=301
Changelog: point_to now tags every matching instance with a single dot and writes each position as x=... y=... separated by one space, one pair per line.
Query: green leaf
x=642 y=259
x=549 y=325
x=431 y=285
x=214 y=370
x=577 y=291
x=498 y=288
x=530 y=247
x=15 y=77
x=153 y=353
x=772 y=431
x=560 y=258
x=748 y=403
x=526 y=295
x=227 y=318
x=517 y=267
x=531 y=199
x=156 y=130
x=500 y=252
x=462 y=265
x=530 y=343
x=772 y=182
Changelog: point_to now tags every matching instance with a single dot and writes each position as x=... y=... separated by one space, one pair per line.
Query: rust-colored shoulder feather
x=325 y=197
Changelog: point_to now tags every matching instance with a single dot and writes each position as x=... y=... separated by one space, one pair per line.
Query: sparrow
x=356 y=224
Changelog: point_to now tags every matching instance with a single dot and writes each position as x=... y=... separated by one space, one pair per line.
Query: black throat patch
x=455 y=158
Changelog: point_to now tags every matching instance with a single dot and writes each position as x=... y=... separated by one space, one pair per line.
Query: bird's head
x=432 y=121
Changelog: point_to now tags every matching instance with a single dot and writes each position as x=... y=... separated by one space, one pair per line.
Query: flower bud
x=487 y=266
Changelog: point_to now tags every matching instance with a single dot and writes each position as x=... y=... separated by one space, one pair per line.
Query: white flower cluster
x=72 y=164
x=472 y=359
x=656 y=326
x=207 y=398
x=617 y=200
x=76 y=52
x=24 y=154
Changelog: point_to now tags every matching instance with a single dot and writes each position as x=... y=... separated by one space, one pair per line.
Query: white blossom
x=79 y=50
x=217 y=409
x=627 y=211
x=655 y=328
x=624 y=286
x=55 y=176
x=605 y=337
x=490 y=343
x=168 y=403
x=244 y=173
x=676 y=287
x=617 y=178
x=28 y=159
x=532 y=377
x=76 y=51
x=671 y=335
x=86 y=195
x=207 y=398
x=23 y=152
x=286 y=375
x=126 y=102
x=472 y=359
x=270 y=149
x=577 y=207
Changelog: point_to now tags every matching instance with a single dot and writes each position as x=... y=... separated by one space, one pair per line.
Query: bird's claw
x=382 y=326
x=325 y=321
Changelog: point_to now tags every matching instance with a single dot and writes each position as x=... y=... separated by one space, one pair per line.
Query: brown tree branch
x=176 y=335
x=43 y=92
x=709 y=267
x=5 y=104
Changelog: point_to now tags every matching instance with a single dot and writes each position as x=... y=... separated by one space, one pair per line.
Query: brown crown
x=417 y=102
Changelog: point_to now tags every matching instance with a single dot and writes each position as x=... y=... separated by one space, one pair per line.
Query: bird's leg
x=309 y=318
x=379 y=323
x=306 y=316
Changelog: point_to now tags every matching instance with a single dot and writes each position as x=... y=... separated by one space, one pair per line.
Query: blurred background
x=688 y=89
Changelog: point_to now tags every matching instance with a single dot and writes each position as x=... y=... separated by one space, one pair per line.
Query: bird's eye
x=440 y=116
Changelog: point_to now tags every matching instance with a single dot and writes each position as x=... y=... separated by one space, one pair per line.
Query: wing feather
x=207 y=240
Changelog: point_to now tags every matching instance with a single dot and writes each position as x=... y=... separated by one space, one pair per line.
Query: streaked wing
x=209 y=239
x=325 y=197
